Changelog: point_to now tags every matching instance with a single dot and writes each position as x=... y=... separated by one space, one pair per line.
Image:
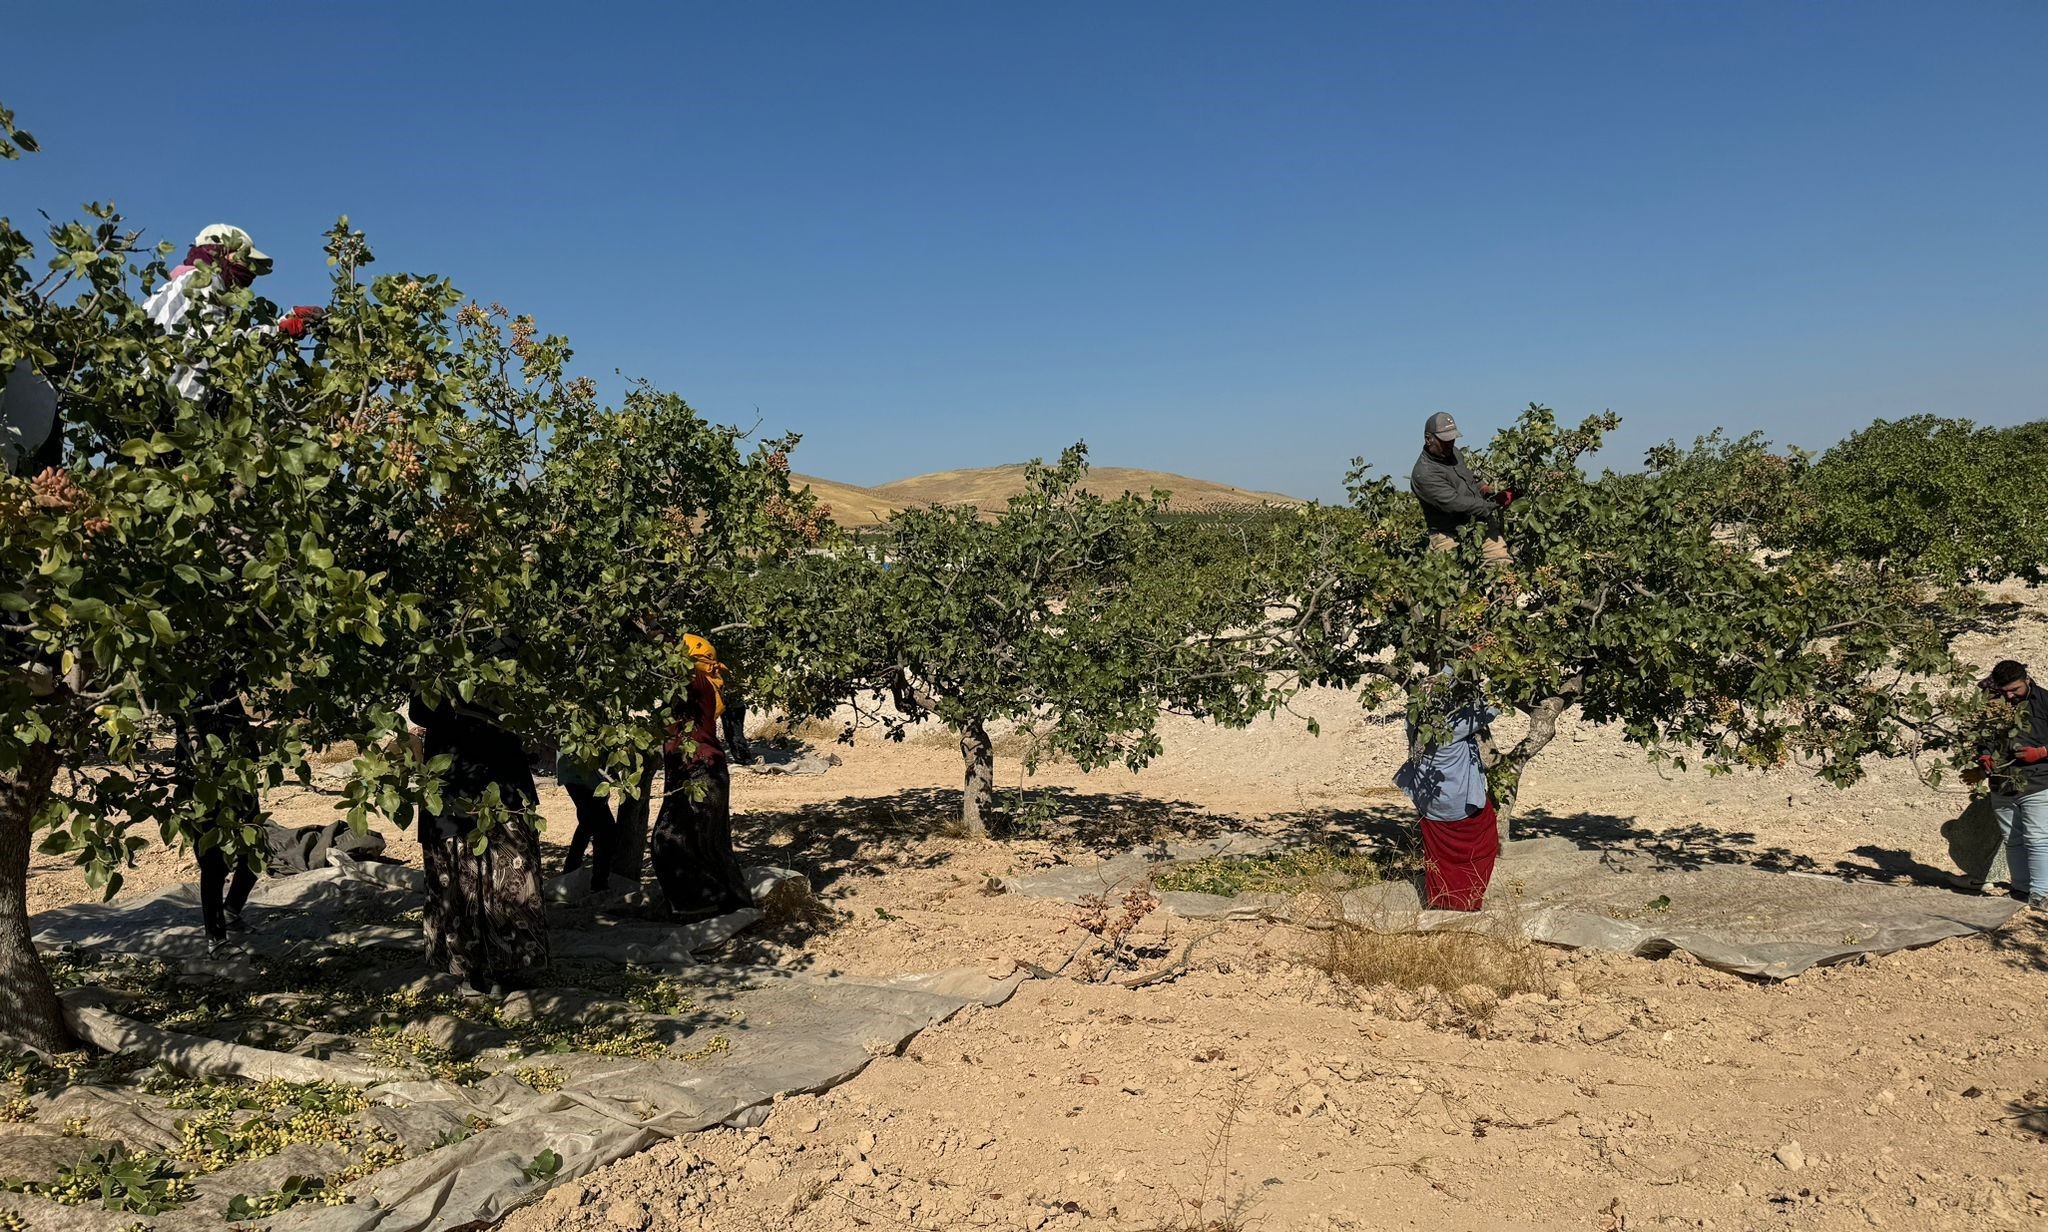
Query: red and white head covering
x=228 y=236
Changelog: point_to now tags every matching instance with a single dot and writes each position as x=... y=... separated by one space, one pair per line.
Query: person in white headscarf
x=221 y=258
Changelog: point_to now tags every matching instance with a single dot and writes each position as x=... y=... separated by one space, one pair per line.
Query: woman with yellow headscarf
x=691 y=847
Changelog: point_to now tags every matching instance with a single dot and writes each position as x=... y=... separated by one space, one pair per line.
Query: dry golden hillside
x=851 y=506
x=989 y=486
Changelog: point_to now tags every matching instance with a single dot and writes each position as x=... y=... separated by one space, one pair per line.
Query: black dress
x=691 y=847
x=485 y=922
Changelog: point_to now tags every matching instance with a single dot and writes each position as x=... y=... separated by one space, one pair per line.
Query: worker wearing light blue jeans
x=2023 y=823
x=2015 y=764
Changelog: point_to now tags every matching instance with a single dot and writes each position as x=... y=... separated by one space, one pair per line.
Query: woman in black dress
x=485 y=919
x=691 y=847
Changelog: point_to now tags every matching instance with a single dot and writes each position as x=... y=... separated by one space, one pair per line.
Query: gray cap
x=1442 y=427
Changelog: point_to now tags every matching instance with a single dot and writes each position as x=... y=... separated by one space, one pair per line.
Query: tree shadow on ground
x=2030 y=1114
x=1975 y=847
x=1118 y=821
x=1898 y=864
x=1999 y=615
x=858 y=836
x=2024 y=943
x=1384 y=820
x=1698 y=845
x=1689 y=847
x=776 y=751
x=868 y=836
x=835 y=842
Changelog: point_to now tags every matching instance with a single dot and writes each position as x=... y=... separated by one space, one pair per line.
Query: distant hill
x=989 y=487
x=852 y=507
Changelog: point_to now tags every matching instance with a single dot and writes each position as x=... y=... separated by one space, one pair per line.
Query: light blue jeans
x=2023 y=821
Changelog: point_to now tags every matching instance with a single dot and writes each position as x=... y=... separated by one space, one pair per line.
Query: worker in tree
x=691 y=847
x=1452 y=496
x=222 y=258
x=2015 y=763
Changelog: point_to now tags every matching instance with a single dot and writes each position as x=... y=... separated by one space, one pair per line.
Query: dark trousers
x=691 y=847
x=629 y=831
x=224 y=879
x=222 y=893
x=594 y=828
x=733 y=728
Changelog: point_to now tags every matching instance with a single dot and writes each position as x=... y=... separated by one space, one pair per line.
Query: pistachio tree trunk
x=977 y=801
x=1505 y=779
x=29 y=1009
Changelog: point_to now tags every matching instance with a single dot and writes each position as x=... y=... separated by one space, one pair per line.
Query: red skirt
x=1457 y=860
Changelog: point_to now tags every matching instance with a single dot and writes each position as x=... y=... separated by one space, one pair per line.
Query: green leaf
x=544 y=1166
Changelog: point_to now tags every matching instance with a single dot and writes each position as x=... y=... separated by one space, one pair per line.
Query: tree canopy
x=416 y=500
x=1646 y=600
x=1944 y=499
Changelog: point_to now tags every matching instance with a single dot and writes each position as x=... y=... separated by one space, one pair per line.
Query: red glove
x=302 y=318
x=2030 y=756
x=1504 y=497
x=1986 y=763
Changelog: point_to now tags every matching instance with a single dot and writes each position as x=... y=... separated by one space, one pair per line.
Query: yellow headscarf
x=707 y=665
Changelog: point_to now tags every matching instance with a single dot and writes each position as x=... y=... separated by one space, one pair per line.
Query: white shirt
x=167 y=309
x=170 y=308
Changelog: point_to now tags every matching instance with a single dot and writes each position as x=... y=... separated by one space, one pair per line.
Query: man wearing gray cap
x=1451 y=494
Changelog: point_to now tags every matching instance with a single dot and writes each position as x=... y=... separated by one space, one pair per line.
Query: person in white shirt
x=222 y=257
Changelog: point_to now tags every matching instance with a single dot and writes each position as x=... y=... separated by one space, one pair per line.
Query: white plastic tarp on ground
x=781 y=1032
x=1741 y=919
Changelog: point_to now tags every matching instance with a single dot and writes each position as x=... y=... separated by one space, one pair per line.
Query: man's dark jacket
x=1449 y=493
x=2013 y=778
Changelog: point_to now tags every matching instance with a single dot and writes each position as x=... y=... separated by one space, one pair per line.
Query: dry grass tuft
x=803 y=731
x=1217 y=1212
x=1474 y=970
x=1011 y=744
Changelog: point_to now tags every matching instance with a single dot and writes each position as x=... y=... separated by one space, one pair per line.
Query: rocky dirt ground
x=1909 y=1091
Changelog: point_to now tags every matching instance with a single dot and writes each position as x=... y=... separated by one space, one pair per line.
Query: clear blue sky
x=1239 y=241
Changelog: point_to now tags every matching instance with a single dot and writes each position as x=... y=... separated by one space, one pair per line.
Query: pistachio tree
x=179 y=540
x=1646 y=600
x=644 y=522
x=1062 y=613
x=417 y=500
x=1941 y=499
x=549 y=550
